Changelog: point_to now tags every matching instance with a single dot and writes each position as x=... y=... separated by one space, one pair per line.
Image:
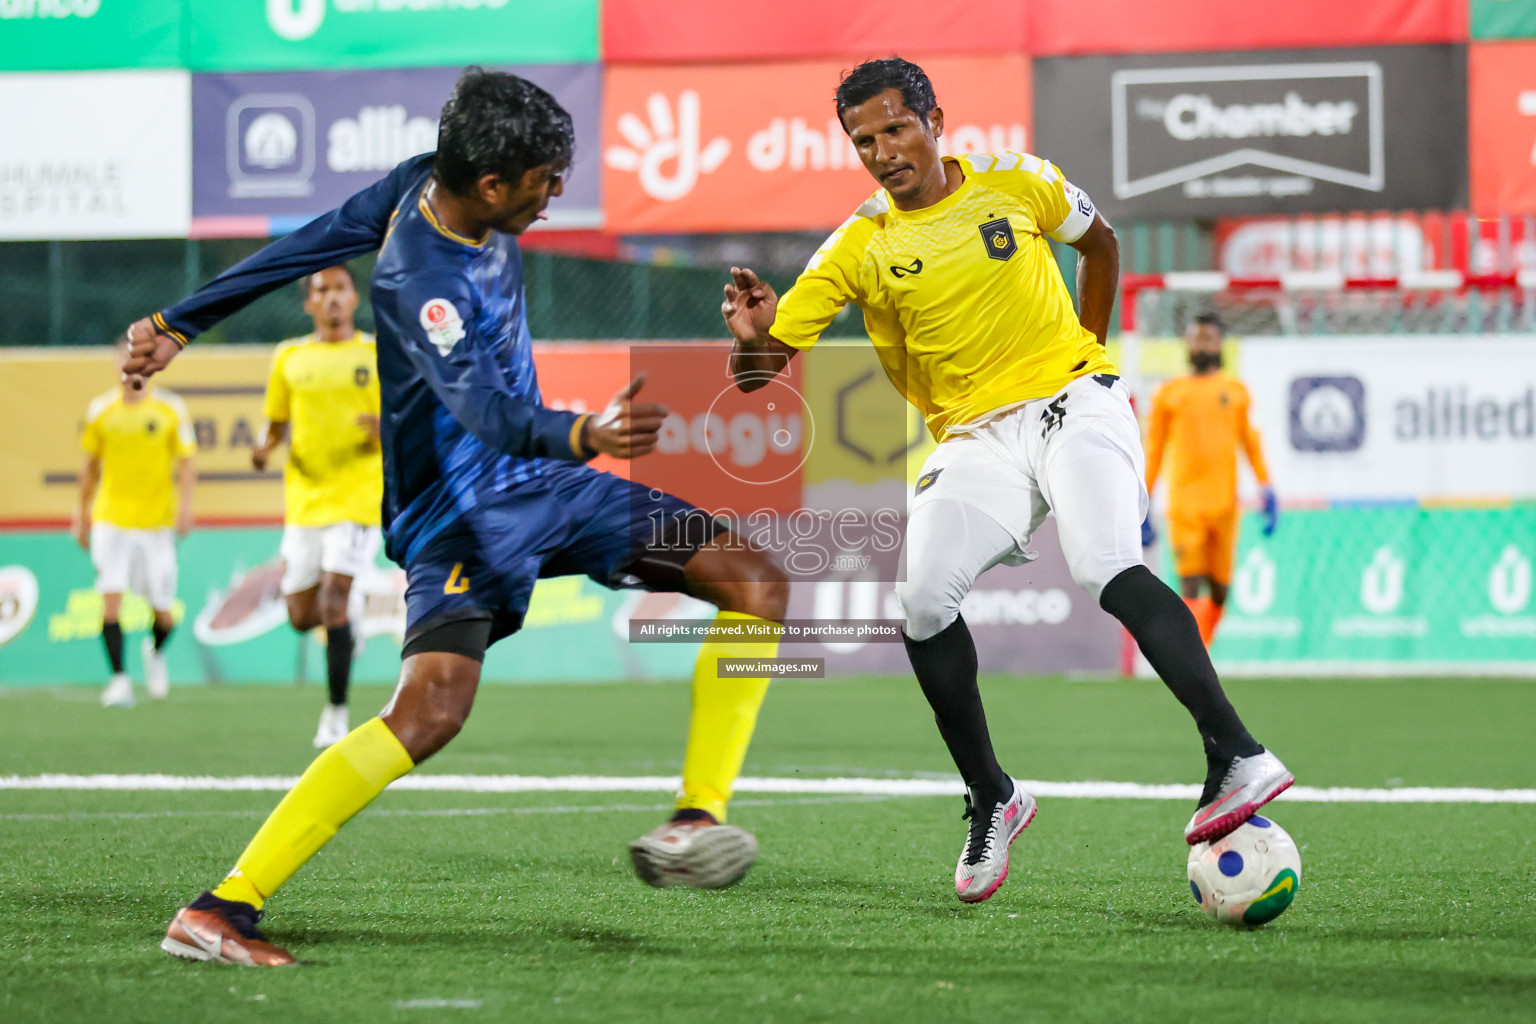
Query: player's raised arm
x=357 y=226
x=750 y=308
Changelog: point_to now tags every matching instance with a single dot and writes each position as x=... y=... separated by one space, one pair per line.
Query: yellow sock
x=724 y=715
x=338 y=784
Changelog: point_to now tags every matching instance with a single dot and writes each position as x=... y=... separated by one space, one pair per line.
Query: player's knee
x=756 y=585
x=926 y=610
x=1093 y=572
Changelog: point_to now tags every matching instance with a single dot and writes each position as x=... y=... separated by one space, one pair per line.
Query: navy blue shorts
x=574 y=521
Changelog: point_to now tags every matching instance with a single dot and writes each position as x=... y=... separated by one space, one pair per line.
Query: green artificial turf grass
x=527 y=908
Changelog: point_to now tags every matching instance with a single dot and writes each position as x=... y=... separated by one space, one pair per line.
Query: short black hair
x=1213 y=320
x=308 y=280
x=874 y=77
x=496 y=123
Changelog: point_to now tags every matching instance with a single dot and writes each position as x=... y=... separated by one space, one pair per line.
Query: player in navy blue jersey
x=485 y=491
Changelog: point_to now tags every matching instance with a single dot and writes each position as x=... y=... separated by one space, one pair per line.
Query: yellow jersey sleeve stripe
x=576 y=435
x=166 y=329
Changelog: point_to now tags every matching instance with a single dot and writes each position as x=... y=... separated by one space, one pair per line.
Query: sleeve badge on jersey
x=442 y=323
x=997 y=236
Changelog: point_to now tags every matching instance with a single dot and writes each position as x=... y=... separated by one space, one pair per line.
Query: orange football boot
x=222 y=931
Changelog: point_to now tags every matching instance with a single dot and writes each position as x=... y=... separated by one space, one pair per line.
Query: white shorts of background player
x=347 y=549
x=1076 y=454
x=139 y=562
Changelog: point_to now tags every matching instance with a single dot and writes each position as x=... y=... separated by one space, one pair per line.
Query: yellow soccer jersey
x=963 y=300
x=335 y=470
x=139 y=446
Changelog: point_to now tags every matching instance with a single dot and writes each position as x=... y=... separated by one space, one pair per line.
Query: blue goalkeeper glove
x=1271 y=512
x=1148 y=532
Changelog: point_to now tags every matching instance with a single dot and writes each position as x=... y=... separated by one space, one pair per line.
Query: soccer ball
x=1248 y=877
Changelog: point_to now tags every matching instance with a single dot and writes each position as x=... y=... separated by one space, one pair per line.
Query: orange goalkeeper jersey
x=1200 y=421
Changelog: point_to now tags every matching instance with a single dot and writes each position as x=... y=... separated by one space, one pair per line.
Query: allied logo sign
x=270 y=145
x=1267 y=129
x=1327 y=414
x=997 y=235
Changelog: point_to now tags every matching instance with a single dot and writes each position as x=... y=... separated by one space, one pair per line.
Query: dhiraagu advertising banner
x=1384 y=590
x=233 y=625
x=76 y=35
x=259 y=35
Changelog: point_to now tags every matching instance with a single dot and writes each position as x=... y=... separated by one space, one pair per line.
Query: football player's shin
x=724 y=715
x=338 y=784
x=1165 y=630
x=945 y=665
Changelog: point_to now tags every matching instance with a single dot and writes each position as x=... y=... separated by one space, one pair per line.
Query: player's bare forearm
x=186 y=483
x=90 y=480
x=1098 y=276
x=754 y=364
x=277 y=432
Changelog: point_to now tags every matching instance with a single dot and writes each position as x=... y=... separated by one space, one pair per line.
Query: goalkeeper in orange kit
x=1200 y=420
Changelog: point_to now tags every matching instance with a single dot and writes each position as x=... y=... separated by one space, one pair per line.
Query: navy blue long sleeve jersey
x=462 y=415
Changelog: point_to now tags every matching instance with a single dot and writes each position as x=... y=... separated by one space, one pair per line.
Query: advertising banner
x=73 y=35
x=103 y=154
x=263 y=35
x=233 y=625
x=758 y=147
x=292 y=145
x=679 y=31
x=1384 y=591
x=1419 y=418
x=1504 y=19
x=1068 y=27
x=222 y=385
x=1279 y=131
x=1502 y=97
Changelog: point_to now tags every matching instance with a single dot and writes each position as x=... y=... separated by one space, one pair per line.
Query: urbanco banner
x=1418 y=418
x=262 y=35
x=758 y=147
x=1259 y=132
x=299 y=143
x=76 y=35
x=95 y=154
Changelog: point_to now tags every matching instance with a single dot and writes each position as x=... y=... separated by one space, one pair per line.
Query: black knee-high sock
x=112 y=637
x=161 y=633
x=946 y=669
x=338 y=660
x=1166 y=632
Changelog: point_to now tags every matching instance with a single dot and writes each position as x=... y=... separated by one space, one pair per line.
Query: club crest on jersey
x=997 y=236
x=360 y=376
x=442 y=323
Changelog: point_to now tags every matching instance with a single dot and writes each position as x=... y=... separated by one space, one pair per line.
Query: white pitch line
x=826 y=787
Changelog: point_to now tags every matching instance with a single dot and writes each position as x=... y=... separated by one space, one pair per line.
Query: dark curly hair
x=873 y=77
x=496 y=123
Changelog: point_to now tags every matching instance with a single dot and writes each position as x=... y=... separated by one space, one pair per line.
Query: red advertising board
x=674 y=31
x=758 y=147
x=1502 y=126
x=1073 y=27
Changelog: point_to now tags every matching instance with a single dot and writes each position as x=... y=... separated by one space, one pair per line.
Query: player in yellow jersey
x=323 y=399
x=135 y=497
x=950 y=264
x=1200 y=421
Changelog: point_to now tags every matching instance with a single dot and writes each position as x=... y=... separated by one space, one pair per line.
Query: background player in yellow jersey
x=135 y=490
x=1200 y=421
x=950 y=263
x=323 y=398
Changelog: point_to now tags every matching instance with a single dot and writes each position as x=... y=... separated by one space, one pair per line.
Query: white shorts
x=140 y=562
x=346 y=549
x=1076 y=454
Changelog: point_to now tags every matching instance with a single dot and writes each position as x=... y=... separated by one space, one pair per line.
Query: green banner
x=259 y=35
x=233 y=628
x=1389 y=590
x=73 y=35
x=1504 y=19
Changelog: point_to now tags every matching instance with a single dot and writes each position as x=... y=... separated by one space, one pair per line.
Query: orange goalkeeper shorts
x=1204 y=543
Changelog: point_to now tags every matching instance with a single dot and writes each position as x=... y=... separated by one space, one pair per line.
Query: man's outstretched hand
x=149 y=352
x=750 y=307
x=626 y=429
